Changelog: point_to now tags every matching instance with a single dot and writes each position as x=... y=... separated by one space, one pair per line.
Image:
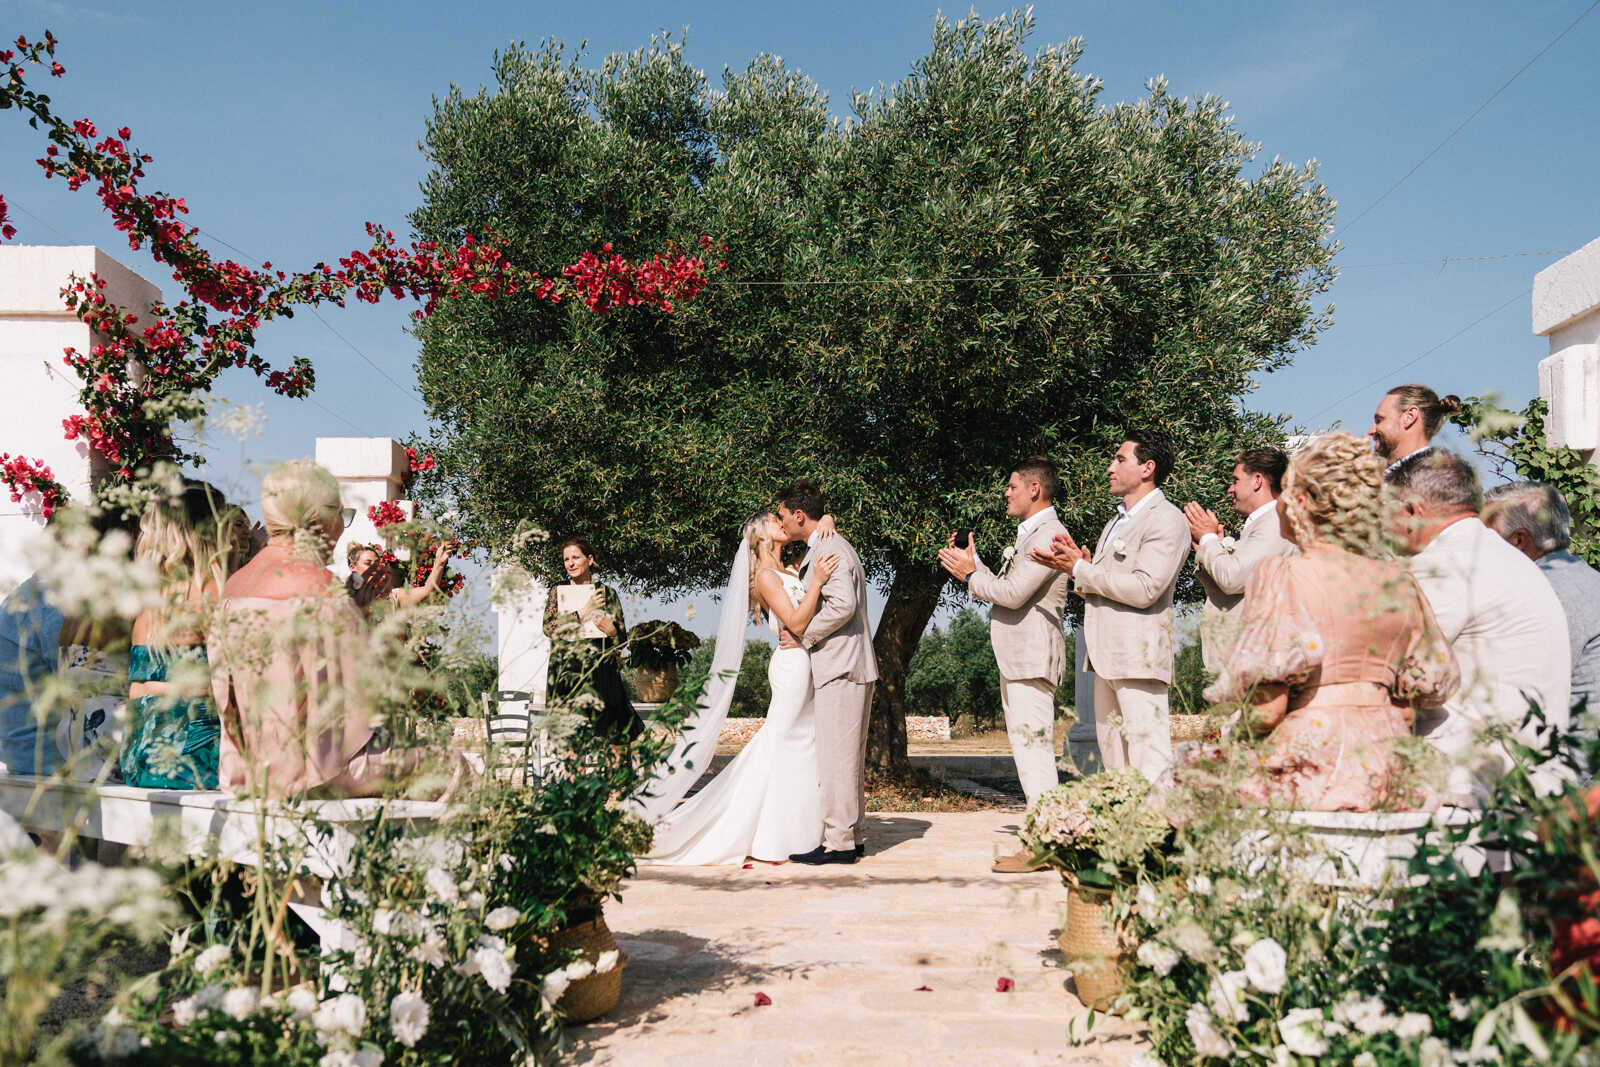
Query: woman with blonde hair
x=1337 y=646
x=171 y=736
x=286 y=652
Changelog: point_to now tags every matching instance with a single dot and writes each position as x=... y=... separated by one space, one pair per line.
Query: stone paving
x=841 y=952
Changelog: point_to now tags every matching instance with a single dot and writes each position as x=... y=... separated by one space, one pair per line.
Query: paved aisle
x=841 y=951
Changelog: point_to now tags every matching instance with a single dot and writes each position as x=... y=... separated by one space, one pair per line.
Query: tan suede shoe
x=1019 y=862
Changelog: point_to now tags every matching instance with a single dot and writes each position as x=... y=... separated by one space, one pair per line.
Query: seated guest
x=286 y=648
x=30 y=634
x=1405 y=423
x=1337 y=646
x=583 y=619
x=1533 y=517
x=1224 y=566
x=1503 y=621
x=171 y=731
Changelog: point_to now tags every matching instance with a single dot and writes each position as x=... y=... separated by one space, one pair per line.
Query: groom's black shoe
x=819 y=856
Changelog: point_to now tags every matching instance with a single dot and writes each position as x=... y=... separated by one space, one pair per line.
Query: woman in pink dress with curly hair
x=1337 y=646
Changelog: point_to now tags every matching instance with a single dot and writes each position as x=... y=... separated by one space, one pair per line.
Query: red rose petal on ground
x=762 y=1000
x=1004 y=985
x=749 y=866
x=923 y=989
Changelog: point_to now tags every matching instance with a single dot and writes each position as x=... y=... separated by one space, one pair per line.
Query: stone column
x=1083 y=747
x=1566 y=309
x=40 y=389
x=370 y=470
x=523 y=647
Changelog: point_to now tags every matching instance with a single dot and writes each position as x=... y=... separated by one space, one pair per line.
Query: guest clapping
x=1337 y=645
x=583 y=619
x=1127 y=586
x=1225 y=563
x=372 y=580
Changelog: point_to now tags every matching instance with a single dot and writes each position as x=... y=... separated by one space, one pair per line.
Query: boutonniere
x=1006 y=557
x=1229 y=542
x=1118 y=545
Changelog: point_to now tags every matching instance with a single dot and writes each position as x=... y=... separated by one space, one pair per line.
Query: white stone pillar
x=370 y=470
x=40 y=389
x=1083 y=747
x=524 y=649
x=1566 y=309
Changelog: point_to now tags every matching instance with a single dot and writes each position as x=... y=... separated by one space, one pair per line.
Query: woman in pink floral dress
x=1337 y=646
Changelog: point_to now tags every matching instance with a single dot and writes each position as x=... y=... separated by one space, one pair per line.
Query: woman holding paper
x=583 y=619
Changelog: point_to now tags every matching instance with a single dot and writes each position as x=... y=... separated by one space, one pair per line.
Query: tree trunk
x=913 y=596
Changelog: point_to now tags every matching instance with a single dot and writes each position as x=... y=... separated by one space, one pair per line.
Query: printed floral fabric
x=171 y=741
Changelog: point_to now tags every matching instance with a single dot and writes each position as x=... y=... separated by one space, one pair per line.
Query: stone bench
x=1370 y=850
x=211 y=823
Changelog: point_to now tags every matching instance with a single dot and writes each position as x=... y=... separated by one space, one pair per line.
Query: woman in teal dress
x=172 y=733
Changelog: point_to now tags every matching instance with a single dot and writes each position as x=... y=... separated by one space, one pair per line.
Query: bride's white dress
x=767 y=802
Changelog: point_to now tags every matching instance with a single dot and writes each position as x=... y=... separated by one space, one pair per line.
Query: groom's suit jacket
x=1029 y=599
x=1127 y=590
x=839 y=637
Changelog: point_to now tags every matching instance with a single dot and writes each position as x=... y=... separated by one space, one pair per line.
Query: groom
x=843 y=673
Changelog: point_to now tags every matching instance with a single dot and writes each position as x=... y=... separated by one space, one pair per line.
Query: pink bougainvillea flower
x=762 y=1000
x=1004 y=985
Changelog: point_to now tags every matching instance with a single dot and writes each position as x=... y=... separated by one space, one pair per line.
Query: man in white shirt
x=1025 y=628
x=1225 y=563
x=1504 y=623
x=1406 y=421
x=1127 y=586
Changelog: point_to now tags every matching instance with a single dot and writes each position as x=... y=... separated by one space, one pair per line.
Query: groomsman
x=1404 y=425
x=1025 y=629
x=1225 y=563
x=1127 y=584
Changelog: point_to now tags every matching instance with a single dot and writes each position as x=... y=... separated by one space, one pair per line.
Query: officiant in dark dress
x=583 y=619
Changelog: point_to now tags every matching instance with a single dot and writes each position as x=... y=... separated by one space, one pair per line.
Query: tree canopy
x=984 y=261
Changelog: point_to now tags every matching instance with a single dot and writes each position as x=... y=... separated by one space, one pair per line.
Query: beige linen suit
x=844 y=669
x=1127 y=590
x=1025 y=629
x=1223 y=570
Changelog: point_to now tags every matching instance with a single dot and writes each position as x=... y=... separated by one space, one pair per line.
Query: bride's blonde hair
x=755 y=536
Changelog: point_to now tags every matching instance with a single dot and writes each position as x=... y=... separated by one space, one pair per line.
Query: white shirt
x=1269 y=506
x=1032 y=523
x=1397 y=464
x=1124 y=511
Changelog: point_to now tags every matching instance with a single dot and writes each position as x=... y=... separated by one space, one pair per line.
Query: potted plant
x=657 y=649
x=1098 y=832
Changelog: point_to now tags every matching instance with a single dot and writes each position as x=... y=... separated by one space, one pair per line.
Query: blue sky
x=287 y=125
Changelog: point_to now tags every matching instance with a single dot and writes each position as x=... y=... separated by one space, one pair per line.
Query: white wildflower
x=578 y=970
x=1365 y=1014
x=493 y=966
x=441 y=886
x=1226 y=996
x=430 y=951
x=1208 y=1040
x=367 y=1056
x=226 y=1037
x=118 y=1040
x=474 y=901
x=1433 y=1053
x=212 y=958
x=1199 y=885
x=302 y=1004
x=209 y=997
x=1282 y=1057
x=1190 y=938
x=241 y=1002
x=607 y=961
x=408 y=1017
x=1366 y=1059
x=555 y=984
x=1146 y=899
x=506 y=861
x=343 y=1014
x=1159 y=957
x=1413 y=1024
x=1505 y=925
x=1301 y=1030
x=184 y=1012
x=502 y=918
x=1266 y=964
x=1460 y=1010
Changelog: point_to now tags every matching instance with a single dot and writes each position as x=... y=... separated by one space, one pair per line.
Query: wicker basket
x=1187 y=727
x=655 y=685
x=589 y=998
x=1097 y=953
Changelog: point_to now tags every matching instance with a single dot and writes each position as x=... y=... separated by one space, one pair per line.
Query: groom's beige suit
x=844 y=670
x=1127 y=589
x=1025 y=629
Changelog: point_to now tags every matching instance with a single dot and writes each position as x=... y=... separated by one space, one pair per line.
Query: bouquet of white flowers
x=1096 y=828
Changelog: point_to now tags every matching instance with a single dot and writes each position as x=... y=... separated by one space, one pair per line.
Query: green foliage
x=659 y=644
x=1100 y=830
x=752 y=693
x=954 y=673
x=987 y=261
x=1518 y=441
x=1189 y=680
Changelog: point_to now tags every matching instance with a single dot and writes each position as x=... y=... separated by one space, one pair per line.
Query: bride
x=767 y=803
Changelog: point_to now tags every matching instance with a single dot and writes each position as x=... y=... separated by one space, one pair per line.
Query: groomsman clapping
x=1127 y=586
x=1025 y=628
x=1225 y=563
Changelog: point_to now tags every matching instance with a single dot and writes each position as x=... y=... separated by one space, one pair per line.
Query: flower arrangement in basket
x=1099 y=832
x=657 y=649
